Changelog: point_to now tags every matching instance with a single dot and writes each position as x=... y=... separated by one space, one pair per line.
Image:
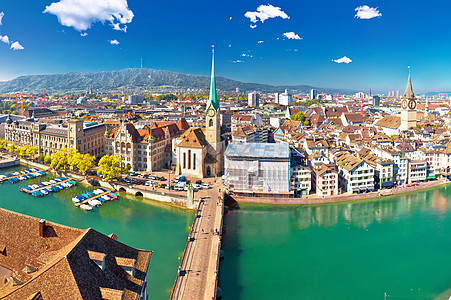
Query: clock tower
x=408 y=105
x=213 y=121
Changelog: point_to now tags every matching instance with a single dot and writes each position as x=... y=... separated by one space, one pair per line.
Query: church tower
x=213 y=121
x=408 y=105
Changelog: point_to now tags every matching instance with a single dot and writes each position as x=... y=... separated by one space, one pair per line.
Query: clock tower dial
x=211 y=112
x=412 y=104
x=404 y=104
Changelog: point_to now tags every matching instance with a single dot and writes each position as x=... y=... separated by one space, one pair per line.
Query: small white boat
x=75 y=200
x=106 y=198
x=44 y=191
x=52 y=181
x=16 y=173
x=85 y=207
x=94 y=202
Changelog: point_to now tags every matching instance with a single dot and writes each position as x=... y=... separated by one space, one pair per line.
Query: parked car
x=132 y=173
x=160 y=185
x=205 y=186
x=153 y=177
x=199 y=181
x=181 y=178
x=196 y=186
x=178 y=188
x=174 y=180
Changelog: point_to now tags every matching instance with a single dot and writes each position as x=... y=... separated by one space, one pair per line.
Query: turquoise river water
x=137 y=222
x=394 y=248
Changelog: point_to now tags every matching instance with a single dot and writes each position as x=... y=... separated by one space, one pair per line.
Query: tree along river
x=139 y=223
x=394 y=248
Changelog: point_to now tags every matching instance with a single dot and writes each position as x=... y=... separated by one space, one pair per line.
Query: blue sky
x=176 y=36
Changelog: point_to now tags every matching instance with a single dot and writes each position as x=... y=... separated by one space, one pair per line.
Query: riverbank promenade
x=197 y=275
x=313 y=199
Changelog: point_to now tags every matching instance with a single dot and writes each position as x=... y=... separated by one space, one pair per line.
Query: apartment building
x=355 y=175
x=417 y=170
x=325 y=180
x=250 y=134
x=301 y=179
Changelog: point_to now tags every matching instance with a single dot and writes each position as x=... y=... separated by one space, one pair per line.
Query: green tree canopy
x=111 y=167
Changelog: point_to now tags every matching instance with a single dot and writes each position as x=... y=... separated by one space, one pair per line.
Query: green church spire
x=213 y=100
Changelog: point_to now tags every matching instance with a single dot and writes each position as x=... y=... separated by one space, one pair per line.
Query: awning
x=431 y=177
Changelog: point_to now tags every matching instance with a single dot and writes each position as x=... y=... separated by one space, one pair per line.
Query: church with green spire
x=200 y=151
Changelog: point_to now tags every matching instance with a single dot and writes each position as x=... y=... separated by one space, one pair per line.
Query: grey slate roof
x=264 y=150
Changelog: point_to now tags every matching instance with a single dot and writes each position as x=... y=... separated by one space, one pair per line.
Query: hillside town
x=262 y=145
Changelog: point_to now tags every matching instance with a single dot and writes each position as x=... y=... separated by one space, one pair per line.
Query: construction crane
x=21 y=105
x=45 y=106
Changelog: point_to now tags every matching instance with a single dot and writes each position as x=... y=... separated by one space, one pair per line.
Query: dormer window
x=128 y=264
x=98 y=258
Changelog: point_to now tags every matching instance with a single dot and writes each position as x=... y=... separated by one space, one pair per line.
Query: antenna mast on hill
x=141 y=62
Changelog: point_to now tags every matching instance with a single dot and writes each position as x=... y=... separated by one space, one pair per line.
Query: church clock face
x=211 y=112
x=404 y=104
x=412 y=104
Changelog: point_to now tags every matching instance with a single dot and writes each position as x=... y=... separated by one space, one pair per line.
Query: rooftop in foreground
x=45 y=260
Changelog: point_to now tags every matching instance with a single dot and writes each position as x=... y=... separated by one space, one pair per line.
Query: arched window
x=184 y=160
x=189 y=159
x=210 y=124
x=194 y=161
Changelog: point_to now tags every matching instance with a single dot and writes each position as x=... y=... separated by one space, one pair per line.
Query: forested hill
x=138 y=79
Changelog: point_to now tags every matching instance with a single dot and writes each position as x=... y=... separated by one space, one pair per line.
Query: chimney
x=41 y=227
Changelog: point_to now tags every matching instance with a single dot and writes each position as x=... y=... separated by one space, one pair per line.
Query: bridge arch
x=121 y=189
x=138 y=194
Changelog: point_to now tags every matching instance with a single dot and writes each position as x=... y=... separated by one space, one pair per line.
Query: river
x=394 y=248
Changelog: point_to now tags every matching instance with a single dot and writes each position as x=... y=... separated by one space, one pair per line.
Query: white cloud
x=84 y=34
x=81 y=14
x=16 y=46
x=230 y=46
x=230 y=18
x=4 y=39
x=265 y=12
x=237 y=61
x=344 y=59
x=2 y=14
x=252 y=26
x=366 y=12
x=117 y=26
x=114 y=42
x=260 y=42
x=246 y=55
x=292 y=36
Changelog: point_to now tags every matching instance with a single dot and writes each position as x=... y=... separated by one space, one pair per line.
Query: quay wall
x=313 y=200
x=6 y=163
x=34 y=164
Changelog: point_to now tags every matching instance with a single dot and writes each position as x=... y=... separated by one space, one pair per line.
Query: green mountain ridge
x=139 y=79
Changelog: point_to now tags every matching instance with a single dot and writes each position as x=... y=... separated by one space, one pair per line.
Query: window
x=189 y=159
x=194 y=161
x=210 y=123
x=184 y=160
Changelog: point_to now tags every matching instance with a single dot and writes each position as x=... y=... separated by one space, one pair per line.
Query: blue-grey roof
x=269 y=150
